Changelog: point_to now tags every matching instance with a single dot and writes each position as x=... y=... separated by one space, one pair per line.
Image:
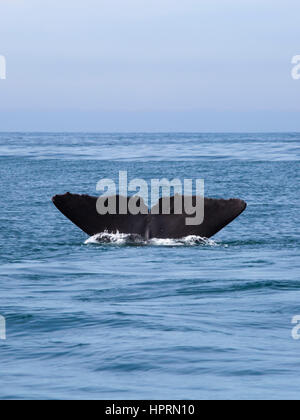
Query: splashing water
x=135 y=239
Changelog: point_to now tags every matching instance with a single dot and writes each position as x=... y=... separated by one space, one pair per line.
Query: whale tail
x=82 y=211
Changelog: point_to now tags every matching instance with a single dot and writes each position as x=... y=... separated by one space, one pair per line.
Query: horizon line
x=146 y=132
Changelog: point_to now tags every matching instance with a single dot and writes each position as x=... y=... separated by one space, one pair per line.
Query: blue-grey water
x=118 y=321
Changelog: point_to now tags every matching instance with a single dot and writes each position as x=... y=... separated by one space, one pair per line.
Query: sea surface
x=164 y=320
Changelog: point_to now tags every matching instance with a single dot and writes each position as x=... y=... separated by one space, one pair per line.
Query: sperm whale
x=82 y=211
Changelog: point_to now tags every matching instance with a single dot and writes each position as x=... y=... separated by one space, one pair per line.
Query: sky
x=149 y=65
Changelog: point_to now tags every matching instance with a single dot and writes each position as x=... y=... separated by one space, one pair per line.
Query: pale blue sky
x=149 y=65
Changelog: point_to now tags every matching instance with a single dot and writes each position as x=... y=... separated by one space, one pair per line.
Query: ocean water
x=116 y=320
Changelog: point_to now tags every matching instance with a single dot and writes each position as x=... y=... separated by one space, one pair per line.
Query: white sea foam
x=133 y=239
x=114 y=238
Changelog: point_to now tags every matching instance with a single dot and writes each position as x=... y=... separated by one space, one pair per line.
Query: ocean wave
x=135 y=239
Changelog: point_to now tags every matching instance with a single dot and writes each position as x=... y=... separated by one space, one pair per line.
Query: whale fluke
x=82 y=211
